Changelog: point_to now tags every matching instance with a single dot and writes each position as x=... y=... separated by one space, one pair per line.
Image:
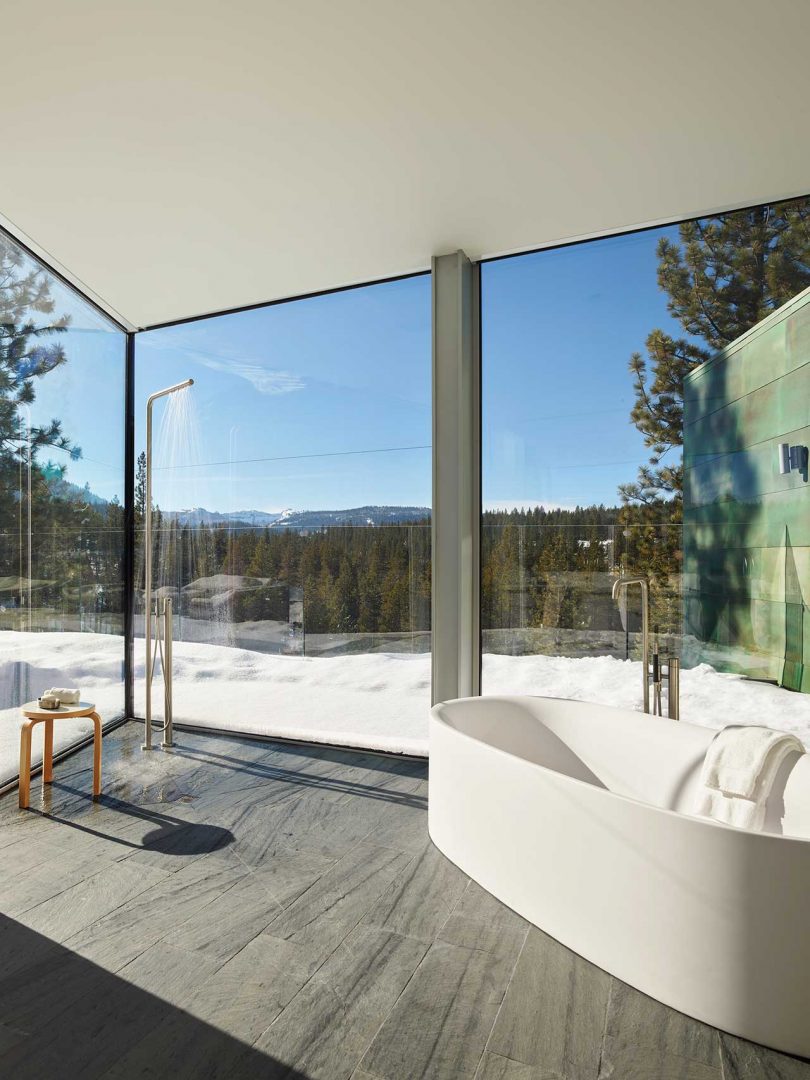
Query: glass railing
x=326 y=631
x=67 y=582
x=548 y=589
x=61 y=624
x=550 y=624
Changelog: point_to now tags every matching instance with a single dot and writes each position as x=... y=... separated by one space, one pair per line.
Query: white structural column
x=456 y=477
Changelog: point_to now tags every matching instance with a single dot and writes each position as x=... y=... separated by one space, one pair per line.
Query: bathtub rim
x=696 y=818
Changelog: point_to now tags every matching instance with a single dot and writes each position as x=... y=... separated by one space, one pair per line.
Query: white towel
x=67 y=695
x=739 y=771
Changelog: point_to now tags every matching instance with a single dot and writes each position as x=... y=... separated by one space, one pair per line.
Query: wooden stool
x=36 y=715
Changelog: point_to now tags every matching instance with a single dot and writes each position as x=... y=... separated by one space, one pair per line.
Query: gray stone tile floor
x=237 y=908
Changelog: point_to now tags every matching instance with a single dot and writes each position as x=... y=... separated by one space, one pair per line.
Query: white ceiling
x=183 y=157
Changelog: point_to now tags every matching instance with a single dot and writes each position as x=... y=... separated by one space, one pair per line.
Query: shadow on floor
x=296 y=778
x=171 y=836
x=65 y=1016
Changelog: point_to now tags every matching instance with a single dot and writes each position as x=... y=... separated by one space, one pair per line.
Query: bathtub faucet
x=665 y=669
x=623 y=583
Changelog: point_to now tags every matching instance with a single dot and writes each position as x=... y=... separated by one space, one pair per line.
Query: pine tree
x=27 y=352
x=29 y=349
x=140 y=487
x=727 y=273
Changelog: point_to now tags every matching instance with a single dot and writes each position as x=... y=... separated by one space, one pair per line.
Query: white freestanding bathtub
x=577 y=817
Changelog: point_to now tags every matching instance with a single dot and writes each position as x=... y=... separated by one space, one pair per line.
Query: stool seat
x=34 y=715
x=32 y=710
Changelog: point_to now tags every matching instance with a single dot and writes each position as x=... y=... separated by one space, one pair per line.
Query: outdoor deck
x=241 y=908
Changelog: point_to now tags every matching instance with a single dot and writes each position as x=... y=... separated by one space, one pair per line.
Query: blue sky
x=335 y=390
x=345 y=375
x=558 y=330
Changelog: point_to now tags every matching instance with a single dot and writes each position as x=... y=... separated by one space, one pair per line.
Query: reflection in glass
x=62 y=380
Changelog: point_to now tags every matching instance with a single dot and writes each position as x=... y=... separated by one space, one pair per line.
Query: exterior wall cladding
x=746 y=527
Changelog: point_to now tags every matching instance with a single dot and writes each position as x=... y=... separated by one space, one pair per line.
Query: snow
x=31 y=663
x=377 y=700
x=710 y=698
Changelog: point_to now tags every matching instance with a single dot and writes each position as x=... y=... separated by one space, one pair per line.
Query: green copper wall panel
x=746 y=474
x=746 y=570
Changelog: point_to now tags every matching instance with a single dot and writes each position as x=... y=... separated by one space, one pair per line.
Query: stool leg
x=96 y=754
x=25 y=764
x=47 y=757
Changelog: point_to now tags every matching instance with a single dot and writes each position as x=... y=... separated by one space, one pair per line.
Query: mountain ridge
x=369 y=515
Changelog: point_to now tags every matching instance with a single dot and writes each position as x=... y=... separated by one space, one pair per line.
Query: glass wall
x=291 y=499
x=62 y=387
x=636 y=391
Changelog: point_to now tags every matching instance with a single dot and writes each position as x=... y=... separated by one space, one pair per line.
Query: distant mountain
x=200 y=516
x=302 y=519
x=360 y=515
x=260 y=519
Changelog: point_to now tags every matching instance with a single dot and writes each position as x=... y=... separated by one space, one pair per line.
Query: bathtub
x=577 y=817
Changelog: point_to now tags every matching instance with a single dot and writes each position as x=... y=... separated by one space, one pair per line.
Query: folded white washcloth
x=743 y=813
x=737 y=756
x=739 y=771
x=67 y=695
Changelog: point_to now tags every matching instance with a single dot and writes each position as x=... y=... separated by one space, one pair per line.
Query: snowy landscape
x=379 y=700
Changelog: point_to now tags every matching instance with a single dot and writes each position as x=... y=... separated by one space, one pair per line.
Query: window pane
x=62 y=385
x=635 y=393
x=292 y=515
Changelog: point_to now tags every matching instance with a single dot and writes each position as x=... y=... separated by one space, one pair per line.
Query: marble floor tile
x=89 y=900
x=246 y=994
x=476 y=903
x=439 y=1026
x=327 y=1026
x=228 y=923
x=745 y=1061
x=421 y=897
x=554 y=1012
x=494 y=1067
x=345 y=892
x=154 y=914
x=637 y=1023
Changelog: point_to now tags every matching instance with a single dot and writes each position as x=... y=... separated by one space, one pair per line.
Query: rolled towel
x=738 y=774
x=67 y=695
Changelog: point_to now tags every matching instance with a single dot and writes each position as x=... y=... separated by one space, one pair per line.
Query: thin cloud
x=265 y=380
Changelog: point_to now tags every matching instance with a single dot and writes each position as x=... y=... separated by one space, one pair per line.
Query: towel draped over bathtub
x=739 y=771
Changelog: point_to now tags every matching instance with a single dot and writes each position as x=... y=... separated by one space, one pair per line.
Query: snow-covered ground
x=377 y=700
x=31 y=663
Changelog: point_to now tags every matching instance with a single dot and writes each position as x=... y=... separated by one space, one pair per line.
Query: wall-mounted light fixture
x=793 y=457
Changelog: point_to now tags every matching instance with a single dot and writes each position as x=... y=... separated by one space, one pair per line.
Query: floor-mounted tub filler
x=578 y=817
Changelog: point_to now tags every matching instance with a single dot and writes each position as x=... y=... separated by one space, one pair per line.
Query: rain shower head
x=169 y=390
